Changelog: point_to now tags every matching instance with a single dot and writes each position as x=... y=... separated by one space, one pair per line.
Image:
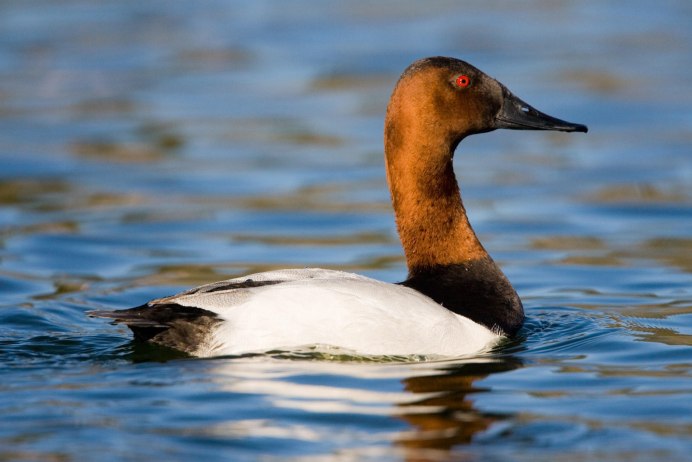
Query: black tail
x=169 y=324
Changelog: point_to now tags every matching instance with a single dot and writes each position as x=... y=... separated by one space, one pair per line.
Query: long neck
x=445 y=259
x=430 y=215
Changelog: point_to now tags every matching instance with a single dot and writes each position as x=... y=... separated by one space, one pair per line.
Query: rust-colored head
x=445 y=98
x=435 y=104
x=449 y=99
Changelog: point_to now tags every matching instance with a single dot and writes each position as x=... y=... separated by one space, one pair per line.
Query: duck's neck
x=445 y=259
x=430 y=216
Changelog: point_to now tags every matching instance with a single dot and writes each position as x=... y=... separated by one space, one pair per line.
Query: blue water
x=146 y=147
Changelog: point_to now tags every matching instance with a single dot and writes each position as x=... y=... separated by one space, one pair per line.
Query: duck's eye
x=463 y=81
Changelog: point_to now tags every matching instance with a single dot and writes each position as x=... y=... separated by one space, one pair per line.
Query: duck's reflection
x=329 y=400
x=452 y=419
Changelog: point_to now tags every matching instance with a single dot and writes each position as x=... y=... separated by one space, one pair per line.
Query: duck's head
x=448 y=99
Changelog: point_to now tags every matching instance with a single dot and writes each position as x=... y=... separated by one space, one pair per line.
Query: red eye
x=463 y=81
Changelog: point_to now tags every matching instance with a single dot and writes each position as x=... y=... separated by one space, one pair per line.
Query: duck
x=455 y=301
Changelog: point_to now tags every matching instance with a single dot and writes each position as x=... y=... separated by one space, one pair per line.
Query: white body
x=331 y=308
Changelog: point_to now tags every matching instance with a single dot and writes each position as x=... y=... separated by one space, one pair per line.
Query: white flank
x=325 y=307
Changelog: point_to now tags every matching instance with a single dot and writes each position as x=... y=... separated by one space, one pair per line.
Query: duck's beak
x=517 y=115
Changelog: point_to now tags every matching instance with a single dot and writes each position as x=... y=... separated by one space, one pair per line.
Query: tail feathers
x=132 y=317
x=161 y=322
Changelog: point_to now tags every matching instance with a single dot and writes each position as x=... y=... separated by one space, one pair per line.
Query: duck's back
x=289 y=309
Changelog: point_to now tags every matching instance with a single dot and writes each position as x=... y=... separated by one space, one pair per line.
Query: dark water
x=149 y=146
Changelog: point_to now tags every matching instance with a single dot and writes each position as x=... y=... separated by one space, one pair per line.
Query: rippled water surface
x=146 y=147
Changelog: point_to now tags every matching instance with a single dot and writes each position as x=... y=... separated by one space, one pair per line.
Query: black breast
x=477 y=290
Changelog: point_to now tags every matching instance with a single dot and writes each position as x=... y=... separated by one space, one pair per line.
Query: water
x=146 y=147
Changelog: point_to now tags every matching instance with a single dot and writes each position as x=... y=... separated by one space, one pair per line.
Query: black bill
x=517 y=115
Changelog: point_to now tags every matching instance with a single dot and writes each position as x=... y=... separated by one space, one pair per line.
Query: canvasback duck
x=455 y=301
